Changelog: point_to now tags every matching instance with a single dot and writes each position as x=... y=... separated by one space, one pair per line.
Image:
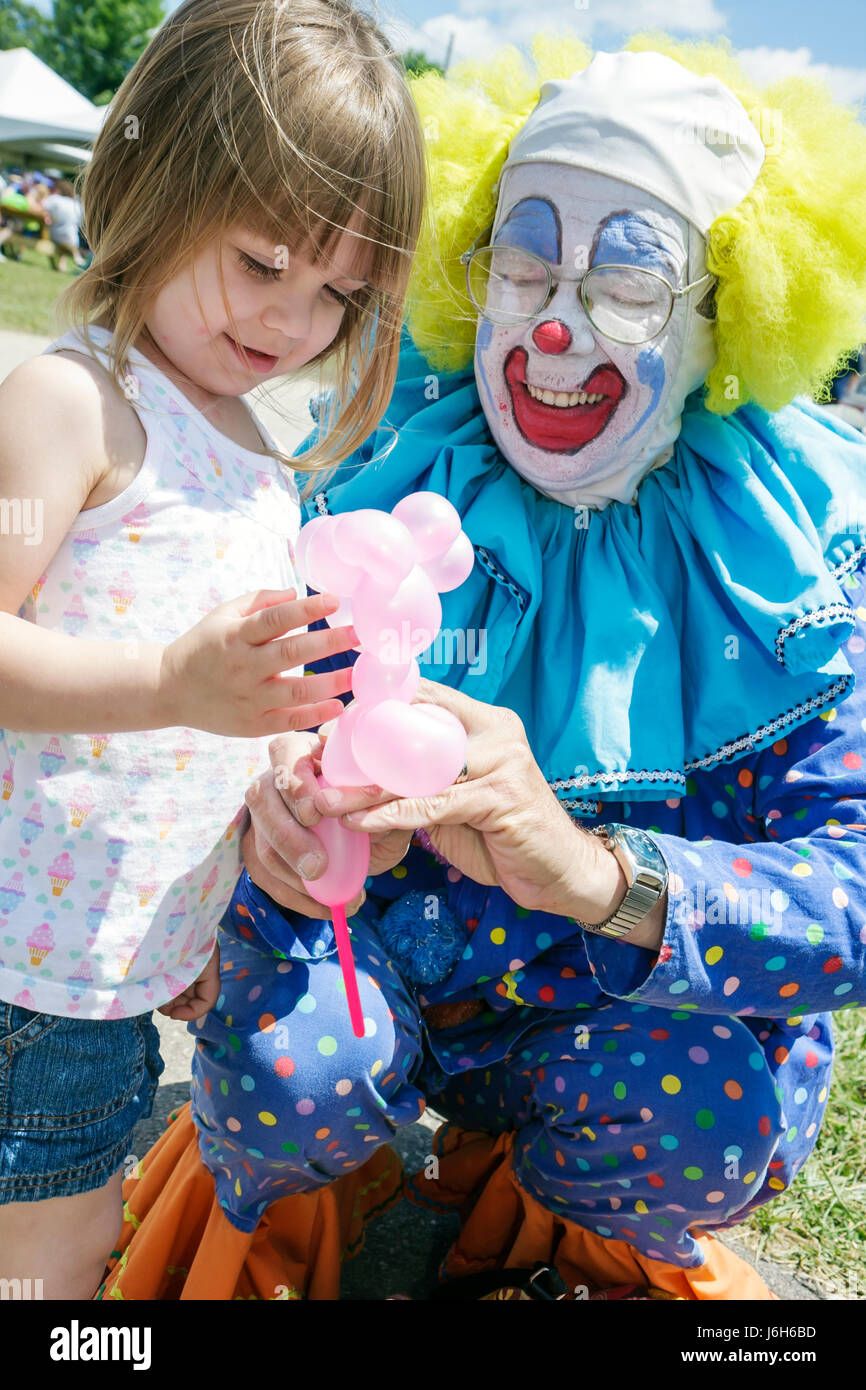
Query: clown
x=626 y=289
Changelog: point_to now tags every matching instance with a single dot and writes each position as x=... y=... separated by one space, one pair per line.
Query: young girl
x=252 y=204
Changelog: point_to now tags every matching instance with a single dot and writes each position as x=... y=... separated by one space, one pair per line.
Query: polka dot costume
x=648 y=1093
x=284 y=1097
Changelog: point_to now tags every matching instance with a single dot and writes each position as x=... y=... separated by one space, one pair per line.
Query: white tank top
x=120 y=851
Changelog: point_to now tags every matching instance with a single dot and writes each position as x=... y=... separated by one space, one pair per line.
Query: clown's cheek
x=652 y=374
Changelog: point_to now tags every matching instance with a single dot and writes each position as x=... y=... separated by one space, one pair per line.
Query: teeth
x=564 y=398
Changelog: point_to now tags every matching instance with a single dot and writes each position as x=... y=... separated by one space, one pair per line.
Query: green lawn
x=28 y=289
x=818 y=1226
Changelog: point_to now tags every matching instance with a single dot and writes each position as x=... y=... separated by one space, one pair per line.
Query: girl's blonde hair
x=291 y=117
x=790 y=294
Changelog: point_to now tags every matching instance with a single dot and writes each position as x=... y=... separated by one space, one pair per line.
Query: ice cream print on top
x=119 y=852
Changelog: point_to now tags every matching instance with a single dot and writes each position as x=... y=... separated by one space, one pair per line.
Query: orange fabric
x=505 y=1228
x=177 y=1243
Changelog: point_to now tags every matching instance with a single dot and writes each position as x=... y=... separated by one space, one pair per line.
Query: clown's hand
x=502 y=824
x=280 y=848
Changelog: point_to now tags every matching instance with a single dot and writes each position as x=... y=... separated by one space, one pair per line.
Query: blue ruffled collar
x=638 y=643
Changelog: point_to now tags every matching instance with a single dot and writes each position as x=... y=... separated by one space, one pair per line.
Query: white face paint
x=576 y=219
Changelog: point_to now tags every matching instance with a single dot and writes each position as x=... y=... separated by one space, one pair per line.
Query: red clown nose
x=552 y=336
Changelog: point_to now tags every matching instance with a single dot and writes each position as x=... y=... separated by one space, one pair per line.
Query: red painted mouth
x=562 y=429
x=258 y=361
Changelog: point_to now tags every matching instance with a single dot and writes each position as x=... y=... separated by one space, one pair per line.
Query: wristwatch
x=646 y=874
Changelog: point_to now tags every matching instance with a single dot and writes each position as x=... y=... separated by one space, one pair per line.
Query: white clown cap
x=645 y=119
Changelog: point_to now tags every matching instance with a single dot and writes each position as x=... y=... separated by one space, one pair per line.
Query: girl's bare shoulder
x=89 y=414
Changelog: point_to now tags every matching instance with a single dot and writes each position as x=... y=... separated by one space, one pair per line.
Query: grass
x=817 y=1228
x=28 y=291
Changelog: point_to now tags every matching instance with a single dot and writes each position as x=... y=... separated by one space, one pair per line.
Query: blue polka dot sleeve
x=771 y=921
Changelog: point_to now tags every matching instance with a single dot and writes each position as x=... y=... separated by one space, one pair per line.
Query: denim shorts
x=71 y=1092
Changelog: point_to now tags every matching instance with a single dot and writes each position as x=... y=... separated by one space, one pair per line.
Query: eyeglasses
x=625 y=303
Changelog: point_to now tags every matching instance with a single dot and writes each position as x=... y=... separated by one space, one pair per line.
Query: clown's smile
x=562 y=421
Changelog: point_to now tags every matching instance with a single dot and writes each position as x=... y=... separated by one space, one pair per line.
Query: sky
x=775 y=38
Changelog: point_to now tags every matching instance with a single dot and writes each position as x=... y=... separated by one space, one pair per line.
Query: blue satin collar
x=638 y=643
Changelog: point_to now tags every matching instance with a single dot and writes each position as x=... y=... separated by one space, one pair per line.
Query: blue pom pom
x=423 y=937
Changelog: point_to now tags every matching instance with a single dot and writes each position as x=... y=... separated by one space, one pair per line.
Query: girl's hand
x=502 y=825
x=199 y=997
x=280 y=848
x=228 y=674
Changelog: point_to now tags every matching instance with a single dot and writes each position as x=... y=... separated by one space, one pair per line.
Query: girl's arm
x=225 y=675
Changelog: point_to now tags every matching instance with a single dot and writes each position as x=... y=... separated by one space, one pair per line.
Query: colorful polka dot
x=720 y=1085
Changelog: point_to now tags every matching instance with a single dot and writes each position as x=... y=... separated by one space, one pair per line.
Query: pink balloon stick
x=347 y=965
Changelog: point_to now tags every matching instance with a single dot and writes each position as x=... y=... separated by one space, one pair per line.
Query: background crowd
x=42 y=207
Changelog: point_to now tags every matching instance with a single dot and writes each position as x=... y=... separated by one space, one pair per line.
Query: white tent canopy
x=38 y=106
x=64 y=152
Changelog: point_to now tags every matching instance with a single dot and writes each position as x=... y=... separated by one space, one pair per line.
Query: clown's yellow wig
x=790 y=259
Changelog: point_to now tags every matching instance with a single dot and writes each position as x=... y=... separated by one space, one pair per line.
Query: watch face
x=643 y=846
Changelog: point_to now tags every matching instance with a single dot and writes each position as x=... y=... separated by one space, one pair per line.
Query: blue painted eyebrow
x=533 y=224
x=630 y=238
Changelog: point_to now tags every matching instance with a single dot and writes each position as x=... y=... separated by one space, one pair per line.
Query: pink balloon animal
x=388 y=570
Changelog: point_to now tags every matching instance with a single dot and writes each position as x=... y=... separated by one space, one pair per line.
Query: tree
x=416 y=62
x=95 y=45
x=21 y=25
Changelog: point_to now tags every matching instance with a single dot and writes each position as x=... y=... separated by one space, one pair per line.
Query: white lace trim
x=851 y=563
x=747 y=743
x=829 y=613
x=585 y=808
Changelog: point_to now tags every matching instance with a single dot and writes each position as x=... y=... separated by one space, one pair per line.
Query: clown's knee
x=283 y=1071
x=702 y=1156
